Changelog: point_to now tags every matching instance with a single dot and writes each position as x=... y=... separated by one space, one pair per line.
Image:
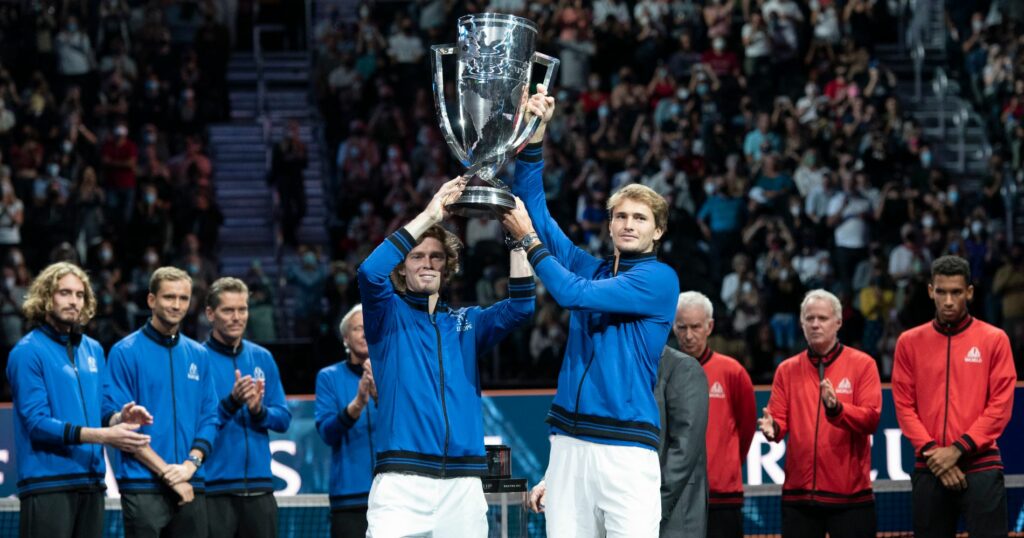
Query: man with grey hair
x=731 y=415
x=344 y=420
x=239 y=485
x=682 y=396
x=829 y=400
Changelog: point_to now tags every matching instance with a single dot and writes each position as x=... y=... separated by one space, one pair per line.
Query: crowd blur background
x=777 y=134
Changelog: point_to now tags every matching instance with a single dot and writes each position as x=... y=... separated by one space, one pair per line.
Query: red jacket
x=828 y=457
x=732 y=419
x=953 y=385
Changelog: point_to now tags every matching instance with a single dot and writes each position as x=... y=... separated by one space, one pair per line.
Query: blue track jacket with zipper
x=56 y=384
x=425 y=367
x=619 y=323
x=240 y=462
x=170 y=377
x=351 y=441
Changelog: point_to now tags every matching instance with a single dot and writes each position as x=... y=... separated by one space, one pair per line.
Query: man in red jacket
x=732 y=415
x=828 y=399
x=952 y=383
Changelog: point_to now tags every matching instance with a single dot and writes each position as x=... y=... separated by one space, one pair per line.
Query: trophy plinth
x=494 y=62
x=482 y=202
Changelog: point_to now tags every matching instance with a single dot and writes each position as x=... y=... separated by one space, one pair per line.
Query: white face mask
x=709 y=188
x=977 y=227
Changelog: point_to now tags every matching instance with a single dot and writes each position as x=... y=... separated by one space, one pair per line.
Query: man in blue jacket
x=345 y=420
x=603 y=475
x=429 y=442
x=169 y=373
x=239 y=486
x=55 y=372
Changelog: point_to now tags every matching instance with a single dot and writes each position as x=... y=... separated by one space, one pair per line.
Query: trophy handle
x=552 y=68
x=439 y=51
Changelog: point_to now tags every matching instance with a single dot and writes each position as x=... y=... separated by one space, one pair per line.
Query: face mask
x=928 y=221
x=794 y=210
x=977 y=227
x=718 y=44
x=72 y=27
x=106 y=255
x=152 y=85
x=393 y=153
x=9 y=282
x=67 y=146
x=364 y=12
x=702 y=89
x=151 y=258
x=397 y=208
x=6 y=189
x=309 y=258
x=341 y=279
x=595 y=85
x=150 y=138
x=53 y=169
x=121 y=130
x=673 y=110
x=926 y=159
x=683 y=94
x=954 y=195
x=709 y=188
x=193 y=269
x=366 y=209
x=977 y=26
x=150 y=198
x=17 y=259
x=602 y=111
x=783 y=274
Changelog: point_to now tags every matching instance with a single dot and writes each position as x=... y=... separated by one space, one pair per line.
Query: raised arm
x=498 y=320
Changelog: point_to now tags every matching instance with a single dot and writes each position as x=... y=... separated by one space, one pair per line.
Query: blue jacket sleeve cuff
x=258 y=417
x=203 y=446
x=403 y=241
x=345 y=419
x=230 y=405
x=532 y=153
x=521 y=287
x=537 y=254
x=72 y=434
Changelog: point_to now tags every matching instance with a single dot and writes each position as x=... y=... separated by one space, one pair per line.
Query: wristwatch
x=512 y=244
x=196 y=460
x=529 y=240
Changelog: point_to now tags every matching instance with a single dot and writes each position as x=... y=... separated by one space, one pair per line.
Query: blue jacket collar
x=159 y=338
x=421 y=301
x=632 y=259
x=223 y=348
x=74 y=337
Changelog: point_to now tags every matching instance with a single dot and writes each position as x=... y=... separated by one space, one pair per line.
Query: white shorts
x=405 y=505
x=602 y=490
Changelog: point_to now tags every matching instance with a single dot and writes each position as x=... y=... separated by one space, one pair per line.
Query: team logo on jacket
x=461 y=323
x=845 y=387
x=258 y=374
x=90 y=363
x=974 y=355
x=716 y=391
x=193 y=372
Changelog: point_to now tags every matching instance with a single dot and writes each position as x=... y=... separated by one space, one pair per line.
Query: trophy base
x=482 y=202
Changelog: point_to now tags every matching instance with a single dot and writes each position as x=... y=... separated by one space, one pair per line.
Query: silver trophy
x=494 y=61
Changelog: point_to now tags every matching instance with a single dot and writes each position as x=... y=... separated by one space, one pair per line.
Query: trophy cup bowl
x=494 y=63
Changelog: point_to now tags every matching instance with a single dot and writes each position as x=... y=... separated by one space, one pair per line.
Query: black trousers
x=157 y=515
x=840 y=522
x=725 y=522
x=937 y=509
x=241 y=516
x=348 y=523
x=63 y=514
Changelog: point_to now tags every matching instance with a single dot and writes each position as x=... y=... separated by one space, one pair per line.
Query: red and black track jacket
x=732 y=419
x=828 y=457
x=953 y=385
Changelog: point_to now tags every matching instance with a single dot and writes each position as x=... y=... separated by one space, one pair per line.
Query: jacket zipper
x=78 y=377
x=945 y=415
x=444 y=408
x=245 y=434
x=814 y=474
x=174 y=406
x=579 y=393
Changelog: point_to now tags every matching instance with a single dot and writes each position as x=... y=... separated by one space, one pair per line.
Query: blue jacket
x=617 y=329
x=170 y=376
x=54 y=397
x=240 y=462
x=351 y=441
x=425 y=367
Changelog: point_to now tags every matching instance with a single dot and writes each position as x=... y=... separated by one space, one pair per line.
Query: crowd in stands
x=103 y=108
x=770 y=126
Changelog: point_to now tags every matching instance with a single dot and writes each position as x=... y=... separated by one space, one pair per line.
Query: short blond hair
x=824 y=296
x=644 y=195
x=167 y=274
x=39 y=300
x=226 y=284
x=450 y=243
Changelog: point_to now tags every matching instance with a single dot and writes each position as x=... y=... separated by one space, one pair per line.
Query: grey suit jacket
x=682 y=395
